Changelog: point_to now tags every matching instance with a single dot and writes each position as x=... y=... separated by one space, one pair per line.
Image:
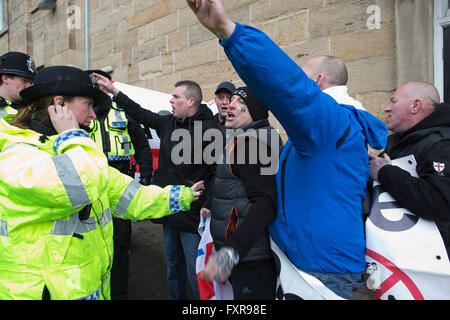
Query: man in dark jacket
x=421 y=128
x=244 y=202
x=181 y=236
x=120 y=137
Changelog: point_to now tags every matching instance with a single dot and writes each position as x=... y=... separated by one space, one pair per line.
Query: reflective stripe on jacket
x=116 y=143
x=45 y=190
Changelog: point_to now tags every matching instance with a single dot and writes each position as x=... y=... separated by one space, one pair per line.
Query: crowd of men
x=312 y=207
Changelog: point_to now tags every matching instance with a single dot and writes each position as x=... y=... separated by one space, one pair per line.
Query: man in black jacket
x=421 y=128
x=189 y=115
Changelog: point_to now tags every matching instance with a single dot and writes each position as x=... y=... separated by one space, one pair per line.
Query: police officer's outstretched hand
x=62 y=118
x=198 y=188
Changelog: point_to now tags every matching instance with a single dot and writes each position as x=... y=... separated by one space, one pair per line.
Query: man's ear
x=416 y=105
x=321 y=80
x=4 y=77
x=191 y=102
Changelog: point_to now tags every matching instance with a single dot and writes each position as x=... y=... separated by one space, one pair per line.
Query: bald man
x=421 y=128
x=330 y=74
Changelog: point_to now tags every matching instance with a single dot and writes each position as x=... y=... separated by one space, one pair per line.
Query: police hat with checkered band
x=64 y=80
x=19 y=64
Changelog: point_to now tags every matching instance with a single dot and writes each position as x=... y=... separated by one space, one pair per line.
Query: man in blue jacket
x=324 y=165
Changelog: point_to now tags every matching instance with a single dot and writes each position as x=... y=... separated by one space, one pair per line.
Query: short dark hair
x=193 y=90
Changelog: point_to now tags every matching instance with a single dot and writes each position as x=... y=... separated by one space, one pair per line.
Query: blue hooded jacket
x=324 y=166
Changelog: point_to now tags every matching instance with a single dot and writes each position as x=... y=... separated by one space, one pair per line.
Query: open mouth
x=230 y=116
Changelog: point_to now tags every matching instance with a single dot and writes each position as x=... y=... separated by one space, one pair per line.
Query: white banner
x=406 y=255
x=294 y=284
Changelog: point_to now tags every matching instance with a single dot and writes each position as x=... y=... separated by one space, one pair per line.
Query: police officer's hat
x=64 y=80
x=18 y=63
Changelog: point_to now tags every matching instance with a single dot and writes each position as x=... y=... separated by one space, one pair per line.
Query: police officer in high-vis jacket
x=17 y=71
x=120 y=137
x=58 y=194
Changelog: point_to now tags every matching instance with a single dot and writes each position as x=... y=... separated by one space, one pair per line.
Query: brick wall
x=154 y=43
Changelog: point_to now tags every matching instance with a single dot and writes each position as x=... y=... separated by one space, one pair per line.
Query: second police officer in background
x=120 y=137
x=181 y=237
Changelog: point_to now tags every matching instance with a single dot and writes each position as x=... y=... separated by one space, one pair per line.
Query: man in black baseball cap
x=17 y=71
x=222 y=100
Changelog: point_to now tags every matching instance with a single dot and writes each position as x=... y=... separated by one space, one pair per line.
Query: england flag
x=209 y=290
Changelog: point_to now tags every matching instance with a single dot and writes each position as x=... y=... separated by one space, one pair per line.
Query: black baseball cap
x=226 y=86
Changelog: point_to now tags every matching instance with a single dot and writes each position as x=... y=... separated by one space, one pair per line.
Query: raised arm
x=311 y=118
x=134 y=110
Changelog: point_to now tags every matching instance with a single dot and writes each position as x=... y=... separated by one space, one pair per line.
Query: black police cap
x=18 y=63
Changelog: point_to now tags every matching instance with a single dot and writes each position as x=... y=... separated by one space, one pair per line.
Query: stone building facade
x=154 y=43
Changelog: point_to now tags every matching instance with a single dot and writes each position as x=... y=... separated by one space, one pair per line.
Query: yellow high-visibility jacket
x=116 y=127
x=6 y=107
x=43 y=188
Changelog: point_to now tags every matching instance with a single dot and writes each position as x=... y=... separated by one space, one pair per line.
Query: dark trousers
x=120 y=267
x=255 y=280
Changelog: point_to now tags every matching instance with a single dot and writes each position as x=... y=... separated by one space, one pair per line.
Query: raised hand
x=105 y=85
x=212 y=14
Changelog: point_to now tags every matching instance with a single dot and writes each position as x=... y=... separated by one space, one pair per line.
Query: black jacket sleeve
x=141 y=146
x=261 y=191
x=427 y=196
x=134 y=110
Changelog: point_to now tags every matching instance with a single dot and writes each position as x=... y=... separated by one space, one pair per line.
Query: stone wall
x=154 y=43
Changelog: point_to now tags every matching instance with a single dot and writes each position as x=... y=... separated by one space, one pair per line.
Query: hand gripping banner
x=405 y=254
